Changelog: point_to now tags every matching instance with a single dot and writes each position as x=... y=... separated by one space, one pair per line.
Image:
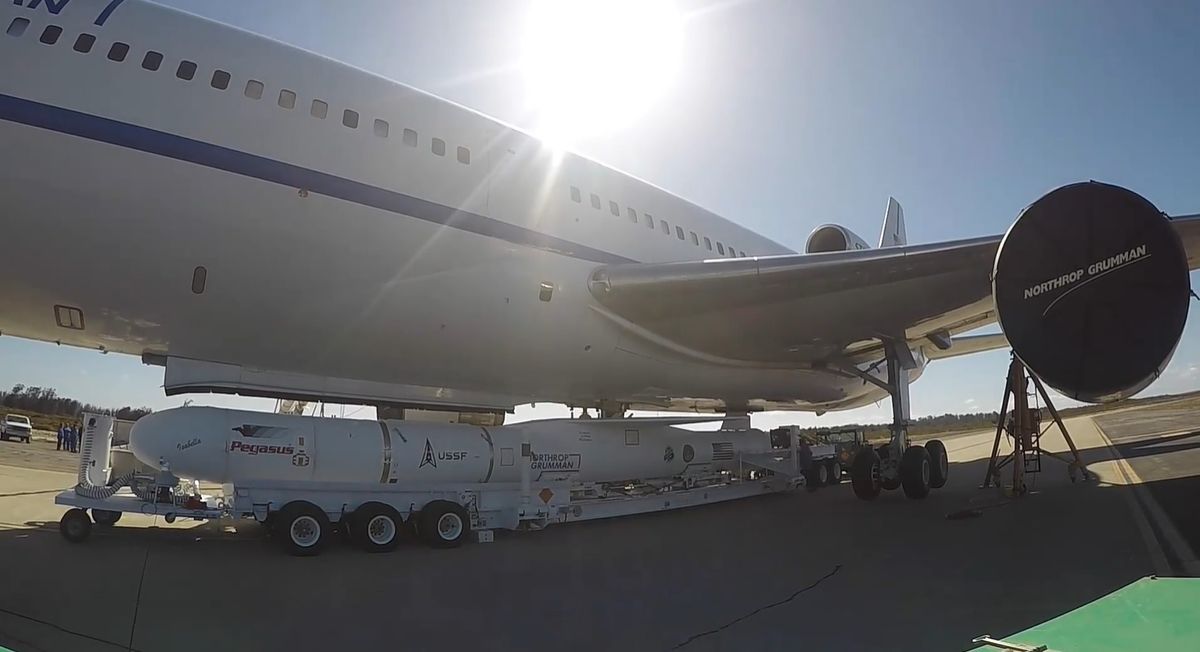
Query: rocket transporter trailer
x=375 y=480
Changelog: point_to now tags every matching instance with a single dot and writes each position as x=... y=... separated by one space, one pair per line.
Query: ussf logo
x=431 y=457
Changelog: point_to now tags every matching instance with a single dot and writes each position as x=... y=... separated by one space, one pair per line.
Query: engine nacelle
x=833 y=237
x=1092 y=290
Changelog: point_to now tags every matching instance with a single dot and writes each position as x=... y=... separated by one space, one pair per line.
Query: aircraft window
x=438 y=146
x=632 y=215
x=595 y=201
x=50 y=34
x=186 y=70
x=464 y=156
x=319 y=109
x=742 y=254
x=707 y=243
x=649 y=220
x=118 y=51
x=350 y=118
x=575 y=196
x=199 y=279
x=152 y=61
x=254 y=89
x=666 y=228
x=410 y=138
x=17 y=26
x=220 y=80
x=84 y=43
x=720 y=248
x=678 y=231
x=695 y=238
x=287 y=99
x=614 y=209
x=381 y=128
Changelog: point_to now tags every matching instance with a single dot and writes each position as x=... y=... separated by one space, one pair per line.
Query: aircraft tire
x=864 y=475
x=915 y=472
x=939 y=468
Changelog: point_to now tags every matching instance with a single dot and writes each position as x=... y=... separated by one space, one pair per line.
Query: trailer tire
x=835 y=472
x=376 y=527
x=865 y=474
x=303 y=528
x=915 y=472
x=444 y=524
x=105 y=517
x=939 y=467
x=815 y=476
x=75 y=526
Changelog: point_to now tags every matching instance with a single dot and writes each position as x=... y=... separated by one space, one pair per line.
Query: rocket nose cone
x=191 y=440
x=148 y=437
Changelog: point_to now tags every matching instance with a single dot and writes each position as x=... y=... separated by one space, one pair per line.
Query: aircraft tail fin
x=893 y=225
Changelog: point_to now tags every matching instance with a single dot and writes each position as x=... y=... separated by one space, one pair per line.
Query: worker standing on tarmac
x=71 y=439
x=62 y=435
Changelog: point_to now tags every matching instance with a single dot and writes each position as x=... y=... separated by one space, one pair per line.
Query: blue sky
x=787 y=114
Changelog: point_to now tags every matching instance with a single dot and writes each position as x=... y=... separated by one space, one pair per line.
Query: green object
x=1154 y=613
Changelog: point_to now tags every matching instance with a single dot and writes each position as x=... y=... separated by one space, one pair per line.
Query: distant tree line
x=46 y=400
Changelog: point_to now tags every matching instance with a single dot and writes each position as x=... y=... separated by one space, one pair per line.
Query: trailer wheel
x=865 y=474
x=816 y=476
x=105 y=517
x=376 y=527
x=915 y=472
x=443 y=524
x=304 y=528
x=939 y=468
x=835 y=472
x=75 y=526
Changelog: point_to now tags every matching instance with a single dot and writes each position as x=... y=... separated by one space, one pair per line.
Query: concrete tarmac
x=819 y=570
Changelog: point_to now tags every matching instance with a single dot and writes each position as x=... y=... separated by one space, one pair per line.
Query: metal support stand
x=1025 y=429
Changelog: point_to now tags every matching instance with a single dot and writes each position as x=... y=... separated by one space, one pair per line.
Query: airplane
x=265 y=221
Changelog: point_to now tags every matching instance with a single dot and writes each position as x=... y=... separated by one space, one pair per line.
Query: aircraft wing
x=805 y=310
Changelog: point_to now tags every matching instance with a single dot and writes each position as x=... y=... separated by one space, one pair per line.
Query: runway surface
x=820 y=570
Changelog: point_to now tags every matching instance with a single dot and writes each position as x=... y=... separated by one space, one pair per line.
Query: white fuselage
x=400 y=240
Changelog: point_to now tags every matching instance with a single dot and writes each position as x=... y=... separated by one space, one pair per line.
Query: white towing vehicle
x=376 y=480
x=16 y=426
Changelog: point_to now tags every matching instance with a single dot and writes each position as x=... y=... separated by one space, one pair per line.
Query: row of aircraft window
x=648 y=220
x=221 y=79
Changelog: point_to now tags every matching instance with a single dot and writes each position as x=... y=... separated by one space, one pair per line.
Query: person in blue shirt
x=71 y=445
x=62 y=435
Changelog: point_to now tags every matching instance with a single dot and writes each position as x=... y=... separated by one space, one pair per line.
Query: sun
x=592 y=67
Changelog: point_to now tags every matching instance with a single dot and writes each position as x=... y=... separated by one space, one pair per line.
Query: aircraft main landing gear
x=898 y=463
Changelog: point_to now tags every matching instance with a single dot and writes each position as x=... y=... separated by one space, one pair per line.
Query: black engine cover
x=1092 y=290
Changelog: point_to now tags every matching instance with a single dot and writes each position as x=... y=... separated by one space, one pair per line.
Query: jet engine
x=833 y=237
x=1091 y=288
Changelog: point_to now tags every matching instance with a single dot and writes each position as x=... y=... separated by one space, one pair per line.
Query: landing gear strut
x=897 y=463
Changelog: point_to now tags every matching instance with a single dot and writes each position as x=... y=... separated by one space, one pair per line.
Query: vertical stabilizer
x=893 y=225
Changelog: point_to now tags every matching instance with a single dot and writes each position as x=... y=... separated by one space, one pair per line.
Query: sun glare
x=594 y=66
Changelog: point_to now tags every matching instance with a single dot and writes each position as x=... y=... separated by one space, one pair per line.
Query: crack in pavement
x=739 y=619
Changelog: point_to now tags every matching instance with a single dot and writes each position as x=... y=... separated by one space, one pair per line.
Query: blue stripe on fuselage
x=75 y=123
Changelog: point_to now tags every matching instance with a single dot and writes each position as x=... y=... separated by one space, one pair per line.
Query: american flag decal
x=722 y=450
